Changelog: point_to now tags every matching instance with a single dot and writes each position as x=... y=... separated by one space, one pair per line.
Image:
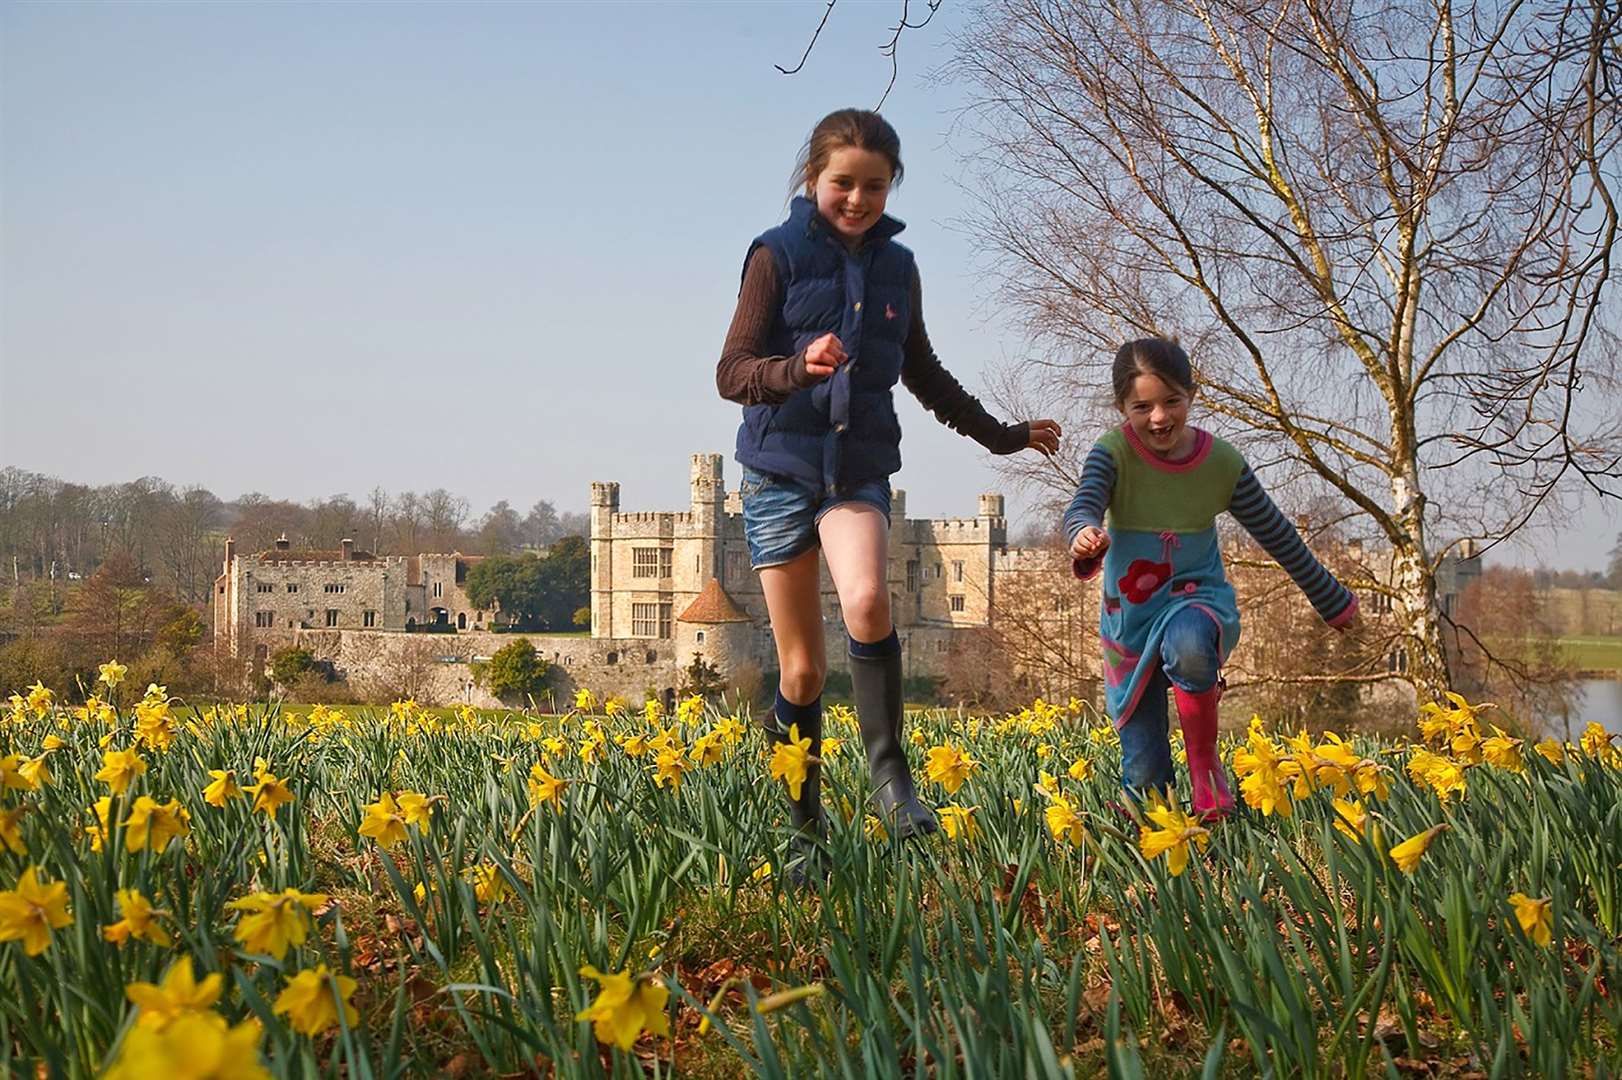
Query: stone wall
x=441 y=664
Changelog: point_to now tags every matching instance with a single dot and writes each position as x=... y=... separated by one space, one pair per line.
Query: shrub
x=514 y=669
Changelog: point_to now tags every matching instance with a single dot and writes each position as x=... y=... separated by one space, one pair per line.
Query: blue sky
x=309 y=249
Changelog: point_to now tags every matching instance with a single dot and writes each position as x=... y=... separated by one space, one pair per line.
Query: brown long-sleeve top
x=748 y=377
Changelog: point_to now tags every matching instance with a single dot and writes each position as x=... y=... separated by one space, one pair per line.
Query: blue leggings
x=1189 y=659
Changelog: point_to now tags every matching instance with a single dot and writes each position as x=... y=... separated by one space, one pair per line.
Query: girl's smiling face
x=851 y=190
x=1158 y=413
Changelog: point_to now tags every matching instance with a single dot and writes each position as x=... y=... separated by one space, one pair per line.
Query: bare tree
x=186 y=534
x=377 y=514
x=1384 y=230
x=445 y=513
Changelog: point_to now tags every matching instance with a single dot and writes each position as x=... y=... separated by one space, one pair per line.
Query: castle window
x=940 y=571
x=1396 y=662
x=612 y=658
x=264 y=618
x=699 y=637
x=332 y=616
x=650 y=562
x=332 y=587
x=644 y=620
x=439 y=588
x=368 y=618
x=732 y=568
x=650 y=620
x=957 y=569
x=265 y=586
x=957 y=603
x=912 y=575
x=292 y=586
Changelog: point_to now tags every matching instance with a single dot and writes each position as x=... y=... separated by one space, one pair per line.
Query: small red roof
x=712 y=605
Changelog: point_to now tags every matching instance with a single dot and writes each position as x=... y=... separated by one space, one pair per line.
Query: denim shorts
x=780 y=514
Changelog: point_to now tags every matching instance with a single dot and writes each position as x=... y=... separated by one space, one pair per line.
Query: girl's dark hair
x=1151 y=356
x=859 y=128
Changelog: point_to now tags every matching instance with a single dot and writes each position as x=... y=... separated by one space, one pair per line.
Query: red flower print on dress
x=1144 y=576
x=889 y=312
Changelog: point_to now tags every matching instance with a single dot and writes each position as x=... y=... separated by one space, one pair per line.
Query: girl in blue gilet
x=829 y=318
x=1145 y=513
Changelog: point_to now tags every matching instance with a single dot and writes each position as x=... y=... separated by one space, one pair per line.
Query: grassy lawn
x=1589 y=653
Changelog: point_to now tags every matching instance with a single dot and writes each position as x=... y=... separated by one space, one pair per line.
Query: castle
x=665 y=586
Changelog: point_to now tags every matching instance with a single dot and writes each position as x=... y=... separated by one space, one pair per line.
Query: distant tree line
x=172 y=534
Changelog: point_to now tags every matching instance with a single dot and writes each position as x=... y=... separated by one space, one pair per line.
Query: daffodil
x=40 y=698
x=949 y=766
x=708 y=749
x=634 y=745
x=1408 y=853
x=1081 y=769
x=111 y=673
x=274 y=921
x=959 y=823
x=669 y=766
x=1551 y=751
x=1535 y=916
x=1350 y=817
x=102 y=808
x=625 y=1007
x=1263 y=771
x=690 y=709
x=1064 y=823
x=14 y=776
x=791 y=759
x=545 y=788
x=270 y=794
x=1596 y=743
x=489 y=887
x=29 y=912
x=179 y=993
x=1176 y=831
x=224 y=786
x=312 y=998
x=196 y=1046
x=119 y=768
x=584 y=700
x=153 y=824
x=384 y=822
x=139 y=921
x=653 y=710
x=155 y=725
x=11 y=831
x=417 y=808
x=1503 y=752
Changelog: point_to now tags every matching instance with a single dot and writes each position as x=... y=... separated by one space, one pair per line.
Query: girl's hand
x=824 y=355
x=1044 y=436
x=1090 y=542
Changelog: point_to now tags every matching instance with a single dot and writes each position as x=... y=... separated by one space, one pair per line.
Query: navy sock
x=890 y=646
x=808 y=717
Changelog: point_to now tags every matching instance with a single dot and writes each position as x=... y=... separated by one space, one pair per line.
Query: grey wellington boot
x=876 y=685
x=805 y=862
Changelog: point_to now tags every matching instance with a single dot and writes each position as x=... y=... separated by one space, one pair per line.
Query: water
x=1600 y=702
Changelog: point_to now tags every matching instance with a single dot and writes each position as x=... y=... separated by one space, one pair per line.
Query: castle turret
x=708 y=507
x=605 y=503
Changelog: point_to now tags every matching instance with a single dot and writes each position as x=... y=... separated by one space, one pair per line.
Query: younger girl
x=829 y=318
x=1168 y=613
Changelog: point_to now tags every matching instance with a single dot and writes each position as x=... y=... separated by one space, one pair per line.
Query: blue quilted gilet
x=843 y=430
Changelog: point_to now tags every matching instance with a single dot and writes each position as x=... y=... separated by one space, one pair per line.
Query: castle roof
x=287 y=555
x=712 y=605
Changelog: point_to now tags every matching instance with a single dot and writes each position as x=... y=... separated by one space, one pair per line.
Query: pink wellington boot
x=1198 y=715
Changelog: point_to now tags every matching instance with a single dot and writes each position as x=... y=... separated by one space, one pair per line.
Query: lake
x=1600 y=702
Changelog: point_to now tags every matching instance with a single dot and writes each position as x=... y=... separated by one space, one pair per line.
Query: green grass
x=1594 y=653
x=1011 y=953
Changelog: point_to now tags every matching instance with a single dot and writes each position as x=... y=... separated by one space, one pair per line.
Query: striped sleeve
x=1091 y=500
x=1253 y=509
